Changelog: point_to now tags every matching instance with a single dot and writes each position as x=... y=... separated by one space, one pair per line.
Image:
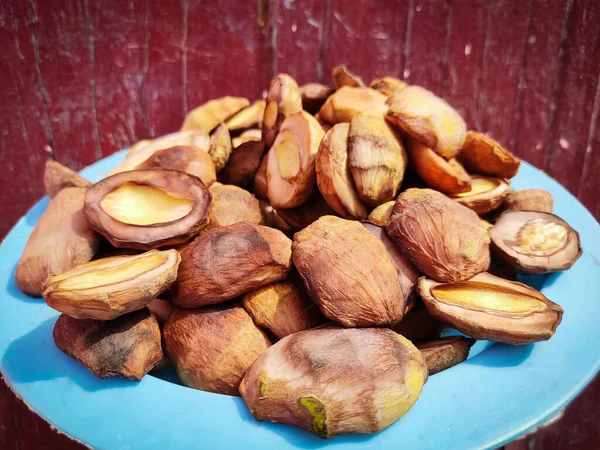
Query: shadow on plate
x=502 y=355
x=34 y=357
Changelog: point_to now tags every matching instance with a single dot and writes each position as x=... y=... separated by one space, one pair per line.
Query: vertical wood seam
x=323 y=36
x=591 y=133
x=13 y=411
x=31 y=9
x=446 y=51
x=407 y=39
x=520 y=87
x=549 y=152
x=272 y=12
x=92 y=55
x=144 y=74
x=482 y=74
x=183 y=44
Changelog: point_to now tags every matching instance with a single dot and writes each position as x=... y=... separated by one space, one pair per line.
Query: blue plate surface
x=496 y=395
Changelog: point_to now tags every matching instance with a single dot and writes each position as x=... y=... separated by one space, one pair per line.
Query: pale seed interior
x=107 y=276
x=479 y=186
x=288 y=154
x=138 y=204
x=477 y=295
x=541 y=237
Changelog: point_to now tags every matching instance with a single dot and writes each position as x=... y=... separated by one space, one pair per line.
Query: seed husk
x=107 y=288
x=283 y=100
x=534 y=242
x=250 y=117
x=147 y=209
x=127 y=347
x=492 y=308
x=376 y=158
x=253 y=134
x=314 y=95
x=213 y=347
x=418 y=325
x=445 y=176
x=189 y=159
x=348 y=102
x=232 y=204
x=441 y=354
x=486 y=194
x=226 y=262
x=220 y=147
x=334 y=380
x=348 y=273
x=483 y=155
x=61 y=239
x=272 y=219
x=206 y=117
x=58 y=177
x=302 y=216
x=380 y=216
x=343 y=77
x=529 y=200
x=444 y=240
x=161 y=309
x=291 y=176
x=333 y=174
x=243 y=164
x=429 y=119
x=283 y=308
x=388 y=86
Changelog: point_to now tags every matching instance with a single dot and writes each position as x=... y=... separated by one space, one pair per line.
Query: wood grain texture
x=367 y=36
x=9 y=439
x=297 y=37
x=24 y=123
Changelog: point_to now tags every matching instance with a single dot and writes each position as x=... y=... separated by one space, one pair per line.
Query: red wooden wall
x=91 y=77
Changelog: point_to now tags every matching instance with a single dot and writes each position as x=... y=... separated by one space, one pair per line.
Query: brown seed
x=142 y=150
x=492 y=308
x=111 y=287
x=343 y=77
x=60 y=240
x=220 y=147
x=388 y=86
x=418 y=325
x=429 y=119
x=253 y=134
x=529 y=200
x=161 y=309
x=348 y=102
x=283 y=308
x=380 y=216
x=272 y=219
x=261 y=189
x=57 y=177
x=147 y=209
x=448 y=177
x=291 y=176
x=206 y=117
x=250 y=117
x=333 y=175
x=334 y=380
x=243 y=164
x=443 y=239
x=325 y=125
x=348 y=273
x=407 y=274
x=444 y=353
x=213 y=347
x=232 y=204
x=190 y=159
x=314 y=95
x=127 y=347
x=226 y=262
x=376 y=158
x=283 y=100
x=486 y=194
x=534 y=242
x=303 y=215
x=483 y=155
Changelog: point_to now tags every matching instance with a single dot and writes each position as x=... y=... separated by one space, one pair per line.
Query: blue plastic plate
x=498 y=394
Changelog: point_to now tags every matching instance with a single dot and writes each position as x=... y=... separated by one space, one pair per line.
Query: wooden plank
x=66 y=62
x=24 y=124
x=465 y=58
x=590 y=178
x=568 y=138
x=164 y=87
x=227 y=51
x=9 y=439
x=298 y=30
x=426 y=62
x=367 y=37
x=540 y=76
x=120 y=40
x=502 y=66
